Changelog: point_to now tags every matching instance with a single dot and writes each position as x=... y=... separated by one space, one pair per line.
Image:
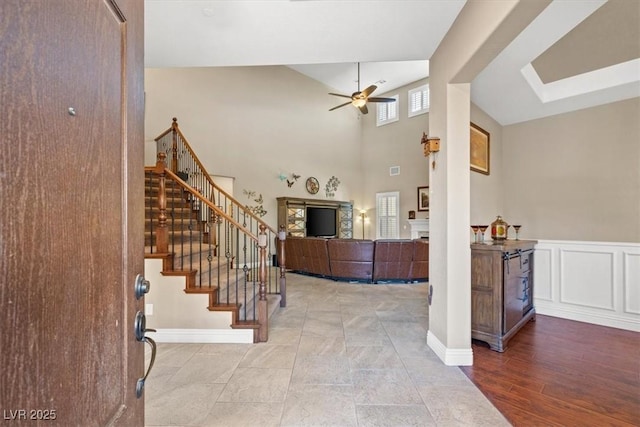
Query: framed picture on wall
x=479 y=149
x=423 y=199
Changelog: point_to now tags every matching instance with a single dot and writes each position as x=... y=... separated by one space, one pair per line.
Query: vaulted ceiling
x=575 y=54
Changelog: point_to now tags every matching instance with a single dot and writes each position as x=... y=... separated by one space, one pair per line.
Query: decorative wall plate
x=313 y=185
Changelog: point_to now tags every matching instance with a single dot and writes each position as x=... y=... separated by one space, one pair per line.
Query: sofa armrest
x=293 y=253
x=420 y=262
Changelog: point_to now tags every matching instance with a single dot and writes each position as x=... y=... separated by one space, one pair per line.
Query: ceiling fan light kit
x=359 y=102
x=359 y=98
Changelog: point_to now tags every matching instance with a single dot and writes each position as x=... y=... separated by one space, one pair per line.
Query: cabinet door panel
x=485 y=317
x=513 y=292
x=486 y=292
x=482 y=272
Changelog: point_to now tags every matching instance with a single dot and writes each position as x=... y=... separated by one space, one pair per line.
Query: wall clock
x=312 y=185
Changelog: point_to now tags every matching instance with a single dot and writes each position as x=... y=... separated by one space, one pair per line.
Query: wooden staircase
x=195 y=254
x=202 y=233
x=184 y=218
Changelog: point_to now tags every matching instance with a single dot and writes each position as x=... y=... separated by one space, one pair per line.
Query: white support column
x=479 y=34
x=450 y=254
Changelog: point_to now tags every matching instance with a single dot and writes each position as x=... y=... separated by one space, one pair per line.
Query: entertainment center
x=315 y=218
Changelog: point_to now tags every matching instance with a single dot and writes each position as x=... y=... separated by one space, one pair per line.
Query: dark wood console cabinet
x=501 y=290
x=292 y=213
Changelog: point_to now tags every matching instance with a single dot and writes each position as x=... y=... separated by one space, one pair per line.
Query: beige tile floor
x=340 y=354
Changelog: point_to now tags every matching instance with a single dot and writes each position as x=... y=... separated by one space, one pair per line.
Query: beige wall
x=576 y=176
x=487 y=195
x=253 y=123
x=394 y=144
x=398 y=144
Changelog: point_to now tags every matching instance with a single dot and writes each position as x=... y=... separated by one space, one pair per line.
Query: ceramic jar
x=499 y=229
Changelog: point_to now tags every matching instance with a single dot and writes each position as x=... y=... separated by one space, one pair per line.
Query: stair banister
x=263 y=315
x=162 y=233
x=211 y=205
x=282 y=236
x=176 y=132
x=174 y=145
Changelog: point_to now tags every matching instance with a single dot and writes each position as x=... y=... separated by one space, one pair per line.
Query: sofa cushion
x=316 y=257
x=351 y=259
x=392 y=260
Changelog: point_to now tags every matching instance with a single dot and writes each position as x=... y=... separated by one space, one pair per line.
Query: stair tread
x=201 y=290
x=246 y=324
x=228 y=284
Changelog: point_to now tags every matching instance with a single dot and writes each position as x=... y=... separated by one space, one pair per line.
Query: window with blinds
x=387 y=111
x=388 y=221
x=419 y=101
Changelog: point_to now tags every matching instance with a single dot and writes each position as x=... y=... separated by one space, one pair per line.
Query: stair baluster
x=238 y=276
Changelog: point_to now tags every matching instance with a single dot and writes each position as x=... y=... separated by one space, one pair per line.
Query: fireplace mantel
x=419 y=228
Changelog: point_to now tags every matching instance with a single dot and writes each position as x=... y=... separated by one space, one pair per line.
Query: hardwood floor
x=558 y=372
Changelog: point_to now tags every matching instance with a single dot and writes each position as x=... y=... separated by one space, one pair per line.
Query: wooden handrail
x=181 y=178
x=174 y=128
x=217 y=210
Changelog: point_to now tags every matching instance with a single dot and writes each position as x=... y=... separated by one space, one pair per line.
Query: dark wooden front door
x=71 y=211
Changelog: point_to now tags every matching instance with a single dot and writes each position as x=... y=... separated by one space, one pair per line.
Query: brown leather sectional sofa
x=359 y=260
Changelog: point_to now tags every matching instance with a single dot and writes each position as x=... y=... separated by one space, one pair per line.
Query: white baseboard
x=205 y=336
x=572 y=313
x=450 y=356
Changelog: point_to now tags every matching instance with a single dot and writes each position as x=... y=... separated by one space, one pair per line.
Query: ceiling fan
x=359 y=99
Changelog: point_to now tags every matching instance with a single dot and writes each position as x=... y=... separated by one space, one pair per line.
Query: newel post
x=174 y=145
x=263 y=317
x=162 y=233
x=282 y=236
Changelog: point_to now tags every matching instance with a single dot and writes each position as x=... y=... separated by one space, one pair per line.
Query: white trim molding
x=450 y=356
x=625 y=73
x=206 y=336
x=593 y=282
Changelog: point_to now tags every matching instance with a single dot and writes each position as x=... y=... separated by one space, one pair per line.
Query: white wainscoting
x=594 y=282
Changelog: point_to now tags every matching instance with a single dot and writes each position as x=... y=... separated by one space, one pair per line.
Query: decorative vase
x=499 y=229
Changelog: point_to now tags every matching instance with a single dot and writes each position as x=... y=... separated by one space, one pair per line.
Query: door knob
x=140 y=329
x=141 y=381
x=140 y=326
x=141 y=286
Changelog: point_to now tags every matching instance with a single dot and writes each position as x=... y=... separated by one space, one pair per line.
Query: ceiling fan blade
x=341 y=105
x=375 y=99
x=364 y=109
x=368 y=91
x=339 y=94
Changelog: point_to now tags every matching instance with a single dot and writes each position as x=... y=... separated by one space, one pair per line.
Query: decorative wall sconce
x=431 y=145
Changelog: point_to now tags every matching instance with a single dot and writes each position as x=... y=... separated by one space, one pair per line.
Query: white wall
x=591 y=282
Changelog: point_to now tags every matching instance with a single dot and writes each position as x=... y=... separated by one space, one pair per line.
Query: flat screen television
x=321 y=222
